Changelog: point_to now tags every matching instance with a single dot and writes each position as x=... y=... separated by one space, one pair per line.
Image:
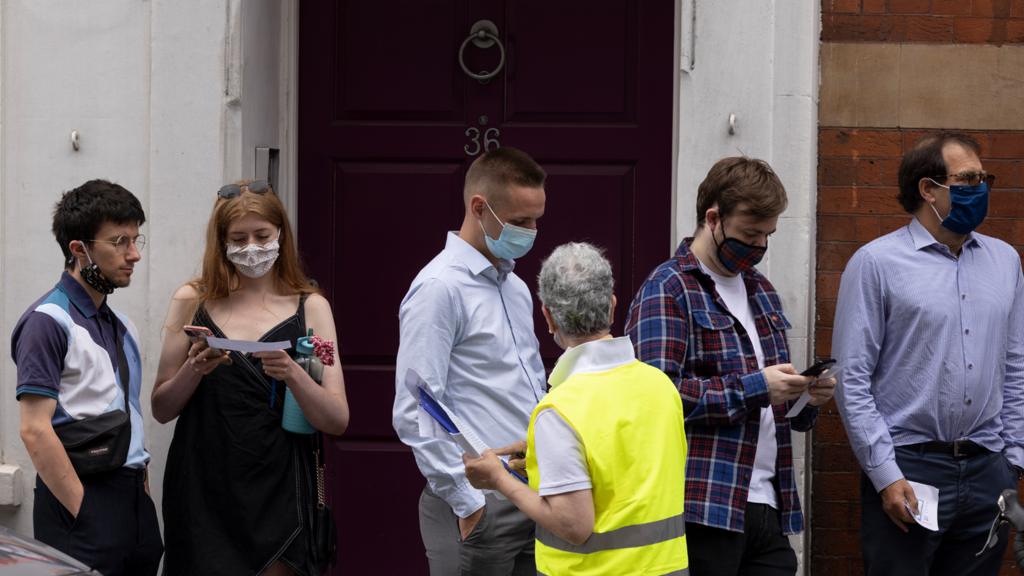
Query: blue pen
x=273 y=393
x=518 y=476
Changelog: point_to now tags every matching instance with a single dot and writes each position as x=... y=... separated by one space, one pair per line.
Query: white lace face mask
x=254 y=260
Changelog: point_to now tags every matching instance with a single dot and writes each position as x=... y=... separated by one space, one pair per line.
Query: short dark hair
x=740 y=180
x=925 y=160
x=494 y=171
x=81 y=212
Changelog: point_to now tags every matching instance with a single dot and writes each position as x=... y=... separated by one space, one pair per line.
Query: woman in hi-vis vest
x=605 y=449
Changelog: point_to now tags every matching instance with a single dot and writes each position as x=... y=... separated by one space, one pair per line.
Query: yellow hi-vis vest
x=630 y=422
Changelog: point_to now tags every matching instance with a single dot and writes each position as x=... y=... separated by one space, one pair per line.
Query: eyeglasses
x=233 y=190
x=122 y=242
x=970 y=178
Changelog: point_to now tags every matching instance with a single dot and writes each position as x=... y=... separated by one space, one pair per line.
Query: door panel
x=381 y=56
x=582 y=73
x=371 y=191
x=388 y=124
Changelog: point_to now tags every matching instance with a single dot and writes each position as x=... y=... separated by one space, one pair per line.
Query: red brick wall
x=857 y=171
x=943 y=21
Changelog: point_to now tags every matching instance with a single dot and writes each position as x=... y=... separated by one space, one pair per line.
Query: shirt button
x=963 y=296
x=970 y=366
x=967 y=331
x=968 y=401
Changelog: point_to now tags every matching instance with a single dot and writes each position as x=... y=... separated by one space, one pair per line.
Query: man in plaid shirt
x=693 y=318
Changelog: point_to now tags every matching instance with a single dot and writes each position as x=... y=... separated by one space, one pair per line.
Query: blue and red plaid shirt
x=680 y=324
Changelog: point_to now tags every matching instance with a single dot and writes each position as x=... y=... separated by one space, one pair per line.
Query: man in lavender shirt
x=929 y=337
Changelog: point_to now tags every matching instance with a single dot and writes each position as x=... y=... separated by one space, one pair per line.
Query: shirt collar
x=923 y=238
x=473 y=259
x=684 y=255
x=78 y=295
x=593 y=356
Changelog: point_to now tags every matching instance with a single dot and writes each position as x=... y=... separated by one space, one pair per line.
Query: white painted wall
x=157 y=91
x=757 y=59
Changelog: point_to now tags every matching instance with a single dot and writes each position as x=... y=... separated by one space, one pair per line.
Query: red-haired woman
x=239 y=490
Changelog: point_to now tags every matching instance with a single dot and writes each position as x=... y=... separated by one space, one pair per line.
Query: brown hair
x=741 y=180
x=925 y=160
x=219 y=276
x=493 y=172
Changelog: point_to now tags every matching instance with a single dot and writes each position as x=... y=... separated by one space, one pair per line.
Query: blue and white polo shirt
x=65 y=349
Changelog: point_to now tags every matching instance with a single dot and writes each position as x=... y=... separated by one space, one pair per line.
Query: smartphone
x=819 y=367
x=196 y=333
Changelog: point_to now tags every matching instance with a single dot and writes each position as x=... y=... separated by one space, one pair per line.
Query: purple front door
x=388 y=123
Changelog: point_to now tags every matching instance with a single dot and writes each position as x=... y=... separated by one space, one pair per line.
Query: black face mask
x=93 y=277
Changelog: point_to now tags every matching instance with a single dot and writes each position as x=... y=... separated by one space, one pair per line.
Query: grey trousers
x=501 y=544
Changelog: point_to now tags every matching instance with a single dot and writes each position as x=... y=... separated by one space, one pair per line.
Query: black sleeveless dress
x=239 y=490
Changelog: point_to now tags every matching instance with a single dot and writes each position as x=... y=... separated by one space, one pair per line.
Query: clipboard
x=457 y=429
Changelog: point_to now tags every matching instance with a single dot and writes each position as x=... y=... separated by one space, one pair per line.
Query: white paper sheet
x=246 y=346
x=927 y=505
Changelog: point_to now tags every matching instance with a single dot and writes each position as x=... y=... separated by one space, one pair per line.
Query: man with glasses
x=79 y=377
x=929 y=337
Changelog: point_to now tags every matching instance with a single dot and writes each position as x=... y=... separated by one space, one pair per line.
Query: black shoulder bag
x=100 y=443
x=324 y=538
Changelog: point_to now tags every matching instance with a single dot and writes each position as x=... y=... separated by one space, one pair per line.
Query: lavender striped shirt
x=930 y=347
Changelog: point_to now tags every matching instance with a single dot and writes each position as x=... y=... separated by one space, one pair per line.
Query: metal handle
x=483 y=34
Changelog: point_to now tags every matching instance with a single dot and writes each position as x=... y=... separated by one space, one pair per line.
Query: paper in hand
x=927 y=505
x=246 y=346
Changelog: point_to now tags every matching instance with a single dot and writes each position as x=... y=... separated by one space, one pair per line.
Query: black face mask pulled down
x=93 y=277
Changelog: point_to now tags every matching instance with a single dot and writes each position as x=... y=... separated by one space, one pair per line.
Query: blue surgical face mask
x=514 y=241
x=968 y=206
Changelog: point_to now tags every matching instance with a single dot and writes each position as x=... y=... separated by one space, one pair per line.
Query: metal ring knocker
x=483 y=34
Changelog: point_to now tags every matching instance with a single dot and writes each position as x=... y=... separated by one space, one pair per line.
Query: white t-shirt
x=734 y=293
x=561 y=461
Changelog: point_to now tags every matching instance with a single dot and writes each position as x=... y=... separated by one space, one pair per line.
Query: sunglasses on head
x=233 y=190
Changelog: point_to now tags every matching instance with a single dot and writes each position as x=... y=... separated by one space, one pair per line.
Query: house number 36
x=490 y=140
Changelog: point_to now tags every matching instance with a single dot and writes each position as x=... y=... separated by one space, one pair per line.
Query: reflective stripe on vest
x=683 y=572
x=625 y=537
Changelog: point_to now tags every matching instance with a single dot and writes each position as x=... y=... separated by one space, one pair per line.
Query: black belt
x=956 y=449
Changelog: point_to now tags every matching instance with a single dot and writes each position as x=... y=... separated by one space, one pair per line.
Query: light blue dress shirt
x=467 y=329
x=930 y=347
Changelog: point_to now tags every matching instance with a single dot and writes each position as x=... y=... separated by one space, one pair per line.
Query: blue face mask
x=968 y=207
x=514 y=241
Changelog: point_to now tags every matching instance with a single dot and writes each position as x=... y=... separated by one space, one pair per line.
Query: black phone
x=819 y=367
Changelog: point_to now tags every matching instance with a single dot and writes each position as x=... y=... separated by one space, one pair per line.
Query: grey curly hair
x=575 y=284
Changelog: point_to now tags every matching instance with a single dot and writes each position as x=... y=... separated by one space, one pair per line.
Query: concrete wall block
x=11 y=485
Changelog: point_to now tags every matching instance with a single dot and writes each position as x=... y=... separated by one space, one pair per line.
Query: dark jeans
x=115 y=532
x=760 y=550
x=968 y=490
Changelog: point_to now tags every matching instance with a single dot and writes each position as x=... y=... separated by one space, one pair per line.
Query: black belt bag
x=97 y=444
x=100 y=443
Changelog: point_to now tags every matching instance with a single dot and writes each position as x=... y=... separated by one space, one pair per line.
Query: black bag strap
x=122 y=362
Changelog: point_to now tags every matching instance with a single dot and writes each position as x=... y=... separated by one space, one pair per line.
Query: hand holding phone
x=197 y=332
x=200 y=334
x=819 y=368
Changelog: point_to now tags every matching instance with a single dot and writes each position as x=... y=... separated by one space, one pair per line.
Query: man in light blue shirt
x=466 y=328
x=929 y=337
